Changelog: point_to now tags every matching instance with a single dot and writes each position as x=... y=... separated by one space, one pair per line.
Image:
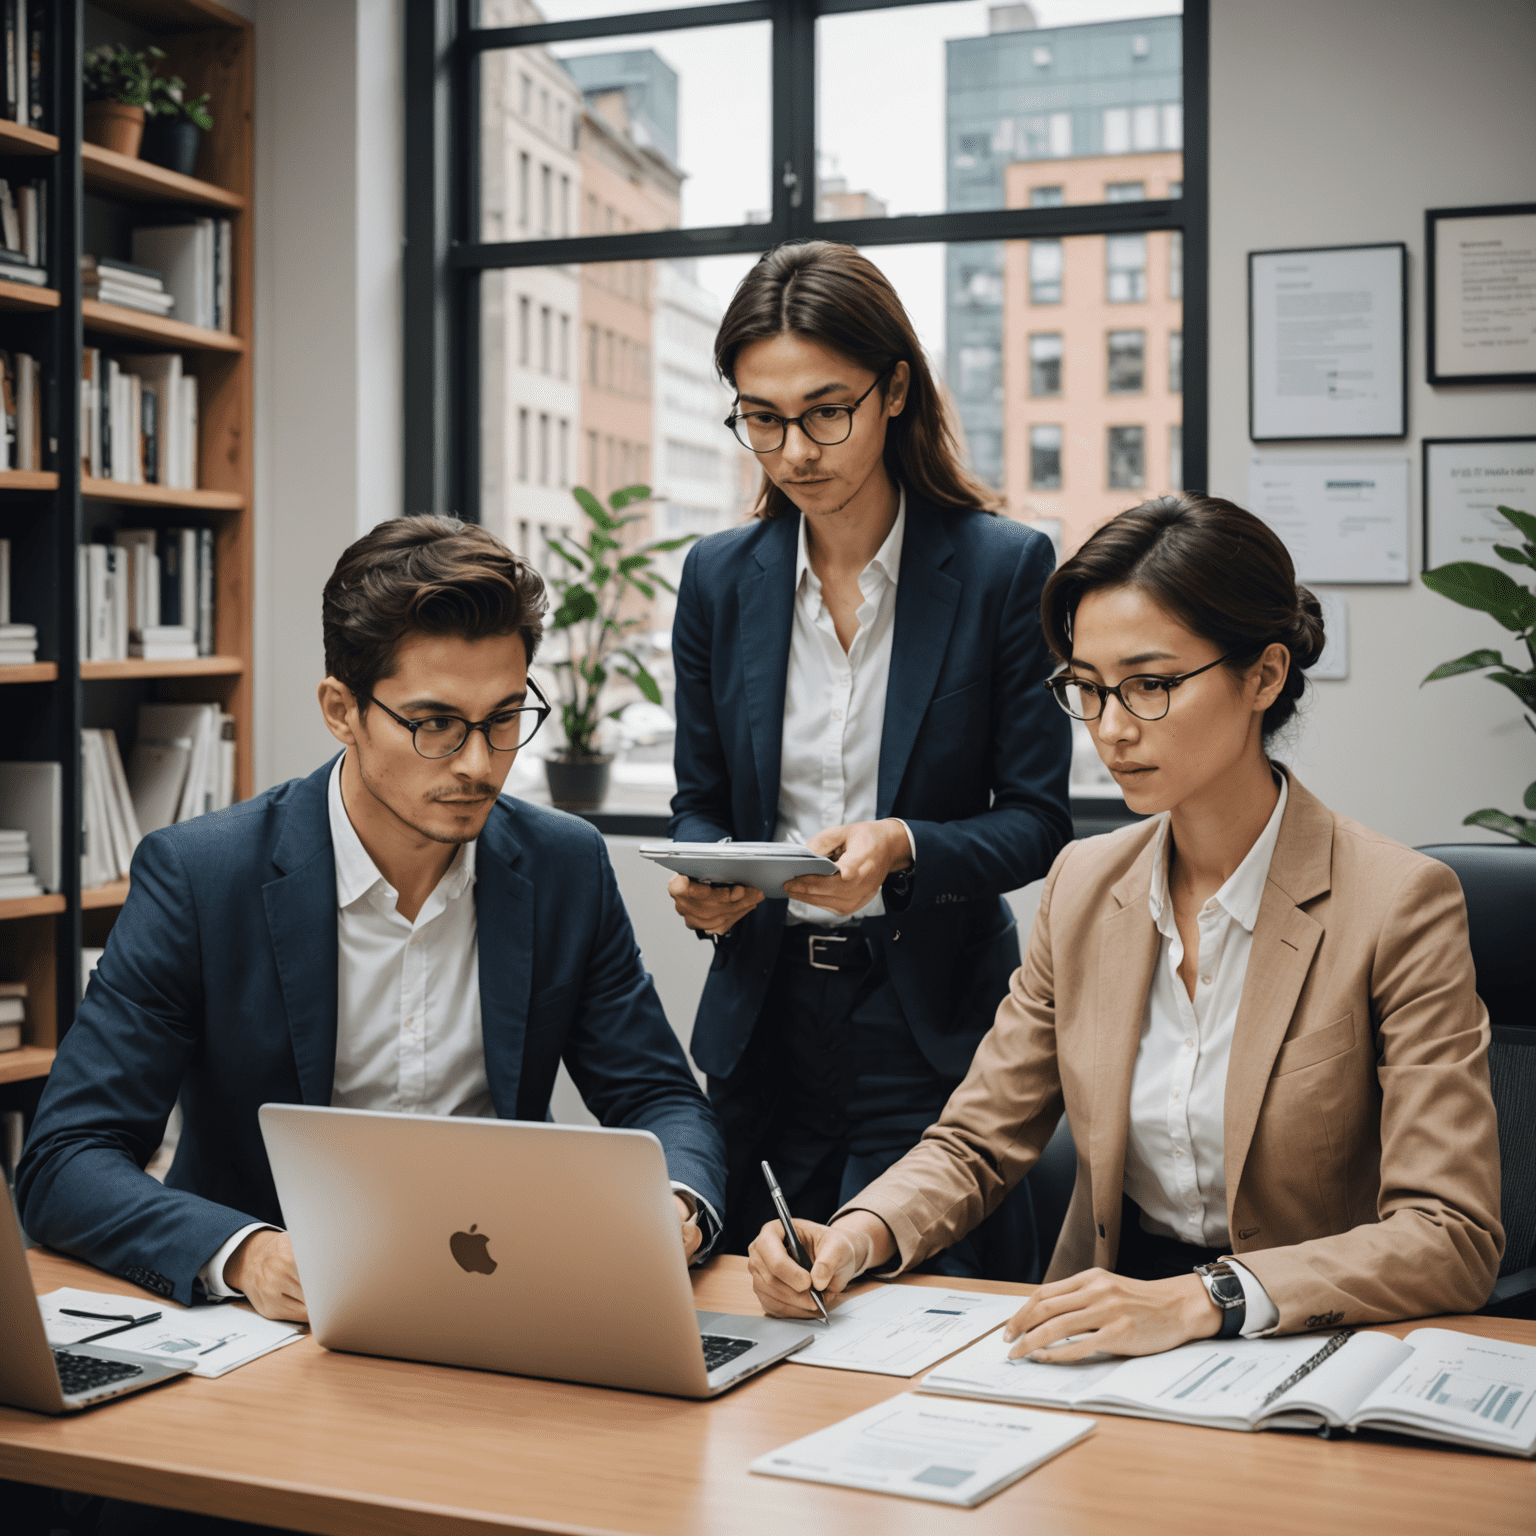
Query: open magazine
x=1435 y=1383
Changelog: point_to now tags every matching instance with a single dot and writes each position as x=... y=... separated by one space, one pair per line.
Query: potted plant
x=116 y=85
x=1494 y=592
x=597 y=643
x=176 y=125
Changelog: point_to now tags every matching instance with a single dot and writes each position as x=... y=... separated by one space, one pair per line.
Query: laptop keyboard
x=79 y=1374
x=720 y=1349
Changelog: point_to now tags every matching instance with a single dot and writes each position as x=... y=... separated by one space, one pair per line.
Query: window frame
x=443 y=259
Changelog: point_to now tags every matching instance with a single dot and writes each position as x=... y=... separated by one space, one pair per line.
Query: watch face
x=1227 y=1289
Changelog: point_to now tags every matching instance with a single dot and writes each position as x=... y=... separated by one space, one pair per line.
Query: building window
x=522 y=446
x=546 y=200
x=565 y=199
x=1127 y=362
x=1046 y=197
x=1045 y=363
x=1045 y=264
x=565 y=346
x=1045 y=458
x=1176 y=362
x=1176 y=264
x=1125 y=259
x=522 y=538
x=1127 y=458
x=543 y=448
x=592 y=354
x=1176 y=458
x=527 y=96
x=593 y=477
x=523 y=327
x=980 y=372
x=565 y=452
x=523 y=174
x=546 y=341
x=1125 y=191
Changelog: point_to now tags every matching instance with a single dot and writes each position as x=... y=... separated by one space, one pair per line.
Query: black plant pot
x=172 y=142
x=578 y=784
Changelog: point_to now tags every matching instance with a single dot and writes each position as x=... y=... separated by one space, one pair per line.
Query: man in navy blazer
x=481 y=942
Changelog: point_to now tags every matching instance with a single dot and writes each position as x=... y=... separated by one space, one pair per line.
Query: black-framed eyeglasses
x=825 y=425
x=505 y=731
x=1146 y=695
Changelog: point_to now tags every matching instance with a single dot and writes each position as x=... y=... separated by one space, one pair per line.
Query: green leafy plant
x=168 y=98
x=120 y=74
x=1496 y=593
x=590 y=612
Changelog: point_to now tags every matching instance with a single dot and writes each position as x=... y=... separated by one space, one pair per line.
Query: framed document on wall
x=1328 y=343
x=1466 y=481
x=1480 y=280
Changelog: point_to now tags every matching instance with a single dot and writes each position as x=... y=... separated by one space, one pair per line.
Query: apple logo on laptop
x=468 y=1249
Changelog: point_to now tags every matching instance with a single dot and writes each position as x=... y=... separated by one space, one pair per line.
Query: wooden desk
x=344 y=1443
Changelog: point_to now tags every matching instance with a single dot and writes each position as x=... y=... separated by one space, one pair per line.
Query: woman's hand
x=839 y=1255
x=714 y=908
x=867 y=854
x=1108 y=1313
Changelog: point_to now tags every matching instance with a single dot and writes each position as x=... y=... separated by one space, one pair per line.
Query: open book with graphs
x=1435 y=1383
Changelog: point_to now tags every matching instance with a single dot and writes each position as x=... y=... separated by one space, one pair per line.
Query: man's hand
x=692 y=1236
x=714 y=908
x=867 y=854
x=1113 y=1315
x=262 y=1268
x=839 y=1254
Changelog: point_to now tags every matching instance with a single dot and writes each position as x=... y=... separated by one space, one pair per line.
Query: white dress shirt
x=834 y=710
x=1175 y=1167
x=408 y=1035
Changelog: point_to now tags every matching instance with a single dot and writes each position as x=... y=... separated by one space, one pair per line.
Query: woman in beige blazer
x=1258 y=1016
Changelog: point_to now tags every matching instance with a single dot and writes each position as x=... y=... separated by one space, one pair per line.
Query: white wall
x=1341 y=121
x=329 y=116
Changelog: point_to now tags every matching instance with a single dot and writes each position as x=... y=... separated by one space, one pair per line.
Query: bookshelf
x=94 y=198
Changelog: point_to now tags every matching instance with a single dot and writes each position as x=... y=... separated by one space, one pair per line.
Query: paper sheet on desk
x=212 y=1340
x=900 y=1330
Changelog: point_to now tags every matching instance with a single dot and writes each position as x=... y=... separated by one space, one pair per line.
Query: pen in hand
x=791 y=1237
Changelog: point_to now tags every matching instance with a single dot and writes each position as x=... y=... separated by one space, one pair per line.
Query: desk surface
x=345 y=1443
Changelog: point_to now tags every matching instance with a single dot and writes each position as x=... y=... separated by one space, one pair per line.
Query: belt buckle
x=813 y=939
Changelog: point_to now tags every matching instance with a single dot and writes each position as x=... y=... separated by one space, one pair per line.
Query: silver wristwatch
x=1226 y=1292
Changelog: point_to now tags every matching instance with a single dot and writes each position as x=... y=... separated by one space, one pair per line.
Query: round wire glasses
x=507 y=730
x=1147 y=696
x=824 y=425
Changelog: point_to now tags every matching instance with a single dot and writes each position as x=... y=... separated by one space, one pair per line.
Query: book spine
x=205 y=592
x=150 y=411
x=5 y=581
x=169 y=550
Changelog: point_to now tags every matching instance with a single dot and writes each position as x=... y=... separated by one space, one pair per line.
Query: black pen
x=133 y=1322
x=791 y=1237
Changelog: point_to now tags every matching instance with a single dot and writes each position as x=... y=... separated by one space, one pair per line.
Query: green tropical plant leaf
x=663 y=546
x=1517 y=827
x=579 y=605
x=1523 y=521
x=1514 y=556
x=1485 y=588
x=621 y=499
x=1473 y=661
x=571 y=554
x=590 y=505
x=1530 y=796
x=643 y=586
x=661 y=581
x=1521 y=684
x=633 y=562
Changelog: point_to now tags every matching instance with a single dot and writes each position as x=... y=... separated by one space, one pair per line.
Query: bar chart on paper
x=1470 y=1391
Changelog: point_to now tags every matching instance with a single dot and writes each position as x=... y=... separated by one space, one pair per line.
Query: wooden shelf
x=117 y=321
x=27 y=1062
x=113 y=894
x=117 y=175
x=25 y=296
x=30 y=906
x=172 y=15
x=37 y=672
x=28 y=480
x=17 y=140
x=93 y=489
x=200 y=666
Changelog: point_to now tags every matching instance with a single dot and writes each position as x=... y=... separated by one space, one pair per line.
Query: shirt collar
x=1243 y=892
x=357 y=874
x=887 y=557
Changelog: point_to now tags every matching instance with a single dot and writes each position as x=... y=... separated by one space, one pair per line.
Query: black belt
x=826 y=949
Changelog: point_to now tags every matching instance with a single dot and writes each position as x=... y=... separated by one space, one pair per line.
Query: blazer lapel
x=504 y=929
x=301 y=920
x=926 y=603
x=1285 y=939
x=767 y=605
x=1128 y=949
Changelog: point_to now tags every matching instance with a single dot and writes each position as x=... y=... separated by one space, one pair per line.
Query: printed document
x=951 y=1453
x=899 y=1330
x=211 y=1340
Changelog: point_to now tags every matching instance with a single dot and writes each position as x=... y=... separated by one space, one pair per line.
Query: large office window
x=621 y=167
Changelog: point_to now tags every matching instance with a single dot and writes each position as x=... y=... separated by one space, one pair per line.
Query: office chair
x=1499 y=882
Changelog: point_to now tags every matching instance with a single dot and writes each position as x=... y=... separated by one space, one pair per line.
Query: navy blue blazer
x=974 y=757
x=219 y=984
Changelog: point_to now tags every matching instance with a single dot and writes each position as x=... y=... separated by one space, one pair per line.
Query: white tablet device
x=765 y=866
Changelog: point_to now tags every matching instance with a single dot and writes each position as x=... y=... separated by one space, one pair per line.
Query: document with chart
x=1436 y=1383
x=900 y=1330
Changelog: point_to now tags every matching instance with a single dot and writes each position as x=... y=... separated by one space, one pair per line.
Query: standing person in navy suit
x=858 y=669
x=390 y=933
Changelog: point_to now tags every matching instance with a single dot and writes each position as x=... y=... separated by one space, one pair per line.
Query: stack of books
x=120 y=282
x=183 y=763
x=16 y=877
x=148 y=595
x=32 y=809
x=138 y=419
x=111 y=830
x=198 y=262
x=21 y=387
x=18 y=642
x=13 y=1018
x=24 y=232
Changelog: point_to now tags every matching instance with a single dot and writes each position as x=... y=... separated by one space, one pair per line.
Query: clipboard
x=764 y=866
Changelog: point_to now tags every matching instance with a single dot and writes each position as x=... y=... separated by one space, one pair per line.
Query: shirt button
x=1189 y=1044
x=837 y=714
x=1177 y=1152
x=1175 y=1093
x=1205 y=981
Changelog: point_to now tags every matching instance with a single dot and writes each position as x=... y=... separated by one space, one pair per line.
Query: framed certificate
x=1328 y=343
x=1466 y=481
x=1480 y=279
x=1345 y=522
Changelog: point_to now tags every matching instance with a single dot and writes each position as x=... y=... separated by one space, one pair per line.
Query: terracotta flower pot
x=116 y=126
x=578 y=784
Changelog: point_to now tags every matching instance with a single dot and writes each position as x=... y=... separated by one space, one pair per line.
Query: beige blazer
x=1362 y=1153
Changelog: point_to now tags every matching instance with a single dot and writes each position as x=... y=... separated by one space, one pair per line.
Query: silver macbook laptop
x=32 y=1375
x=541 y=1250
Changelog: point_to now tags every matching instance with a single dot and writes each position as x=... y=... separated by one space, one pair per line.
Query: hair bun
x=1306 y=639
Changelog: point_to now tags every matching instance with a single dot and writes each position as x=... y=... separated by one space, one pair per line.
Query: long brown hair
x=1222 y=573
x=833 y=295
